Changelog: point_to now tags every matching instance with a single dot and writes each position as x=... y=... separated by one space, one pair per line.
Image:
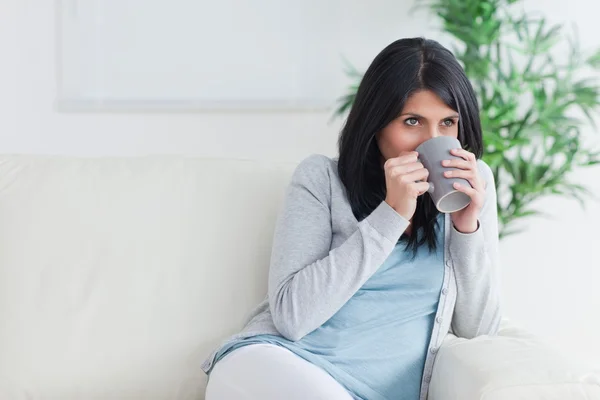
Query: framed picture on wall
x=211 y=55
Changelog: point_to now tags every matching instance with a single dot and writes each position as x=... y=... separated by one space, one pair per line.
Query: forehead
x=426 y=103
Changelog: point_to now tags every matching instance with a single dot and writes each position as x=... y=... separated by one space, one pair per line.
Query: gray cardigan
x=322 y=255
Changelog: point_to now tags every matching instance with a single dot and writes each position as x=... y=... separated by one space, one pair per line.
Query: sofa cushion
x=119 y=275
x=511 y=366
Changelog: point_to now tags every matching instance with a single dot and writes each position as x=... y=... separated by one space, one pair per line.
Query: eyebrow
x=420 y=116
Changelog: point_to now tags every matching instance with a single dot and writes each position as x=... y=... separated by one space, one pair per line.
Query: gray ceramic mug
x=441 y=189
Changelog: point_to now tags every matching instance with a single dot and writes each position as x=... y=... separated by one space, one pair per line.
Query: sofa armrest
x=513 y=365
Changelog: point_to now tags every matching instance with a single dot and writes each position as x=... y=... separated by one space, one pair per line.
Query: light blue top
x=376 y=344
x=322 y=255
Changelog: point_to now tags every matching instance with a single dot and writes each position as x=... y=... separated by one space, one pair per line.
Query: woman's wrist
x=468 y=227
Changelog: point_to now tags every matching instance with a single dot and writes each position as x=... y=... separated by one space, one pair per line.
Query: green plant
x=534 y=105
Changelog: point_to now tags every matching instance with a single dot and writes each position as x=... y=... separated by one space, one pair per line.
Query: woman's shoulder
x=317 y=168
x=318 y=162
x=317 y=173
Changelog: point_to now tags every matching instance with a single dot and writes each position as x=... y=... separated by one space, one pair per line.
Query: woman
x=366 y=276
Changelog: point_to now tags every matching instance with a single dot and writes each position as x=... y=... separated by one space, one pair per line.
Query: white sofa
x=119 y=275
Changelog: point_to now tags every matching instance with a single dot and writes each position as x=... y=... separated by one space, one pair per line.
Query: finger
x=470 y=175
x=467 y=155
x=458 y=163
x=421 y=187
x=404 y=169
x=404 y=158
x=418 y=175
x=462 y=173
x=401 y=160
x=469 y=191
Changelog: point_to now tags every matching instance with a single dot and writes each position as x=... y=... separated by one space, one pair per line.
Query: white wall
x=551 y=272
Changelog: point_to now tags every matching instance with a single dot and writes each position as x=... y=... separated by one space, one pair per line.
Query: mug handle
x=431 y=187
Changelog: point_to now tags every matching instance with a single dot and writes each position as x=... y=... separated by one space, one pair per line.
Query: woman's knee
x=270 y=372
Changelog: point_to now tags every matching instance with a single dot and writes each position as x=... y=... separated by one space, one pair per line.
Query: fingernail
x=445 y=162
x=457 y=185
x=448 y=173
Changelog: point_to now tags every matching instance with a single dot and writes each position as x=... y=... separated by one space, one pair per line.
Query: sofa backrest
x=119 y=275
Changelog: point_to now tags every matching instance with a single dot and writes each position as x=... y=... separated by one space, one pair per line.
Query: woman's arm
x=308 y=282
x=475 y=260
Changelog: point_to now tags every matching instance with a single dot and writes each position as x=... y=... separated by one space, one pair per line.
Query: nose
x=433 y=131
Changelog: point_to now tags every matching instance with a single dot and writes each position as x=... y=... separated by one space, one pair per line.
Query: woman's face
x=423 y=117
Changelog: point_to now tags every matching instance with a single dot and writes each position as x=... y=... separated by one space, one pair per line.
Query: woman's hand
x=405 y=181
x=466 y=220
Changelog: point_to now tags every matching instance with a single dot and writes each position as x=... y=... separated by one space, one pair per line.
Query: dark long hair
x=403 y=67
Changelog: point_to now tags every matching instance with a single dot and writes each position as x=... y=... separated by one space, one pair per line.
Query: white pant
x=270 y=372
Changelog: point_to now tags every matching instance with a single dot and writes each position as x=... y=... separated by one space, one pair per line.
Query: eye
x=448 y=123
x=411 y=121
